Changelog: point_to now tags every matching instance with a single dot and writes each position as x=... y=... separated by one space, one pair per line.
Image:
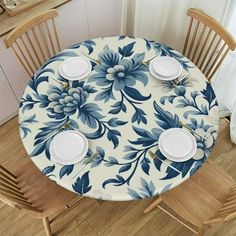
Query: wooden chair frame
x=11 y=193
x=207 y=43
x=34 y=49
x=223 y=206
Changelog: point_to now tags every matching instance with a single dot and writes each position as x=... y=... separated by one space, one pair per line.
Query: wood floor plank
x=75 y=217
x=24 y=227
x=107 y=214
x=228 y=162
x=9 y=216
x=161 y=224
x=132 y=221
x=83 y=229
x=227 y=229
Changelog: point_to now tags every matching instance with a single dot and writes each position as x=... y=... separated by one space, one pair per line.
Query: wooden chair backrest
x=227 y=211
x=207 y=42
x=35 y=41
x=11 y=193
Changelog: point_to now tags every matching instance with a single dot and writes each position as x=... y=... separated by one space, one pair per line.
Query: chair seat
x=199 y=198
x=43 y=193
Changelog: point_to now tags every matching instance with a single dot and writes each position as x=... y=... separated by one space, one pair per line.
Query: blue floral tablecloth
x=122 y=109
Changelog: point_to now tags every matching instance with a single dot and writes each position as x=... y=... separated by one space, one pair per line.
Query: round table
x=122 y=110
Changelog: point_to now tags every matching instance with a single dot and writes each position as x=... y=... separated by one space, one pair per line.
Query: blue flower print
x=120 y=75
x=63 y=102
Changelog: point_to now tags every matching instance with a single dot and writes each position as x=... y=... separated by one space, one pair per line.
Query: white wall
x=8 y=101
x=86 y=19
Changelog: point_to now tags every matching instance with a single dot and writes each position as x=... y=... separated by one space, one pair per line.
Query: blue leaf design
x=166 y=188
x=34 y=83
x=135 y=94
x=109 y=57
x=112 y=136
x=126 y=51
x=139 y=116
x=38 y=149
x=148 y=190
x=28 y=106
x=39 y=143
x=110 y=181
x=89 y=114
x=111 y=161
x=131 y=155
x=87 y=43
x=134 y=194
x=158 y=162
x=117 y=107
x=191 y=112
x=208 y=93
x=89 y=89
x=81 y=185
x=148 y=45
x=100 y=152
x=105 y=95
x=25 y=123
x=168 y=98
x=67 y=169
x=114 y=122
x=147 y=138
x=47 y=170
x=96 y=162
x=183 y=167
x=196 y=167
x=119 y=181
x=165 y=119
x=171 y=173
x=145 y=165
x=125 y=168
x=97 y=134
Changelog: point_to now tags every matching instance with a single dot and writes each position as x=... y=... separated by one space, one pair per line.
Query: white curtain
x=166 y=21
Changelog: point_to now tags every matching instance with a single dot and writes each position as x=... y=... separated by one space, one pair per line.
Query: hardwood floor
x=107 y=218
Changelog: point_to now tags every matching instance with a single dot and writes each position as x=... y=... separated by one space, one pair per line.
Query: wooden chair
x=207 y=42
x=223 y=143
x=30 y=190
x=35 y=41
x=207 y=198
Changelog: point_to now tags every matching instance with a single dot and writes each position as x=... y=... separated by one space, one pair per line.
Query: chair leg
x=99 y=201
x=201 y=231
x=152 y=205
x=47 y=226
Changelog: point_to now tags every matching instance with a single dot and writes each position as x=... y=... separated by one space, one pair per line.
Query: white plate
x=68 y=147
x=177 y=144
x=165 y=68
x=75 y=68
